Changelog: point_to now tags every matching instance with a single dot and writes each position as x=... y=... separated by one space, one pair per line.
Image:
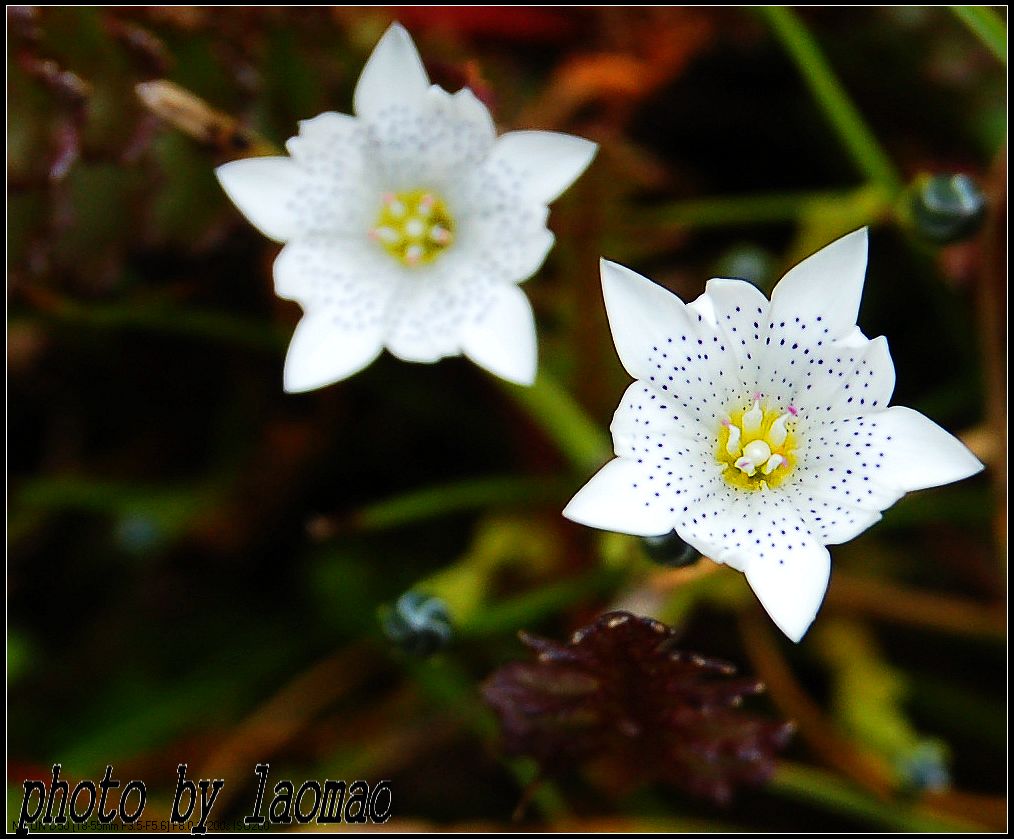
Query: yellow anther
x=778 y=432
x=756 y=446
x=415 y=227
x=732 y=446
x=752 y=419
x=746 y=466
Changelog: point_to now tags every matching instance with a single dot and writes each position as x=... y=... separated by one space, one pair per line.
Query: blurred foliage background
x=196 y=560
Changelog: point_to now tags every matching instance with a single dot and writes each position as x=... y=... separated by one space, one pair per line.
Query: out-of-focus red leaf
x=621 y=77
x=508 y=23
x=621 y=698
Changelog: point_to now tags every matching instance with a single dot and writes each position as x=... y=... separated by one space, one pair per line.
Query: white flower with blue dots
x=760 y=430
x=407 y=226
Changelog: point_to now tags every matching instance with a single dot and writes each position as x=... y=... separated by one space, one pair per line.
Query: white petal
x=544 y=162
x=824 y=377
x=919 y=453
x=643 y=317
x=502 y=339
x=393 y=75
x=829 y=519
x=871 y=383
x=741 y=313
x=616 y=498
x=704 y=306
x=853 y=340
x=510 y=243
x=322 y=352
x=340 y=192
x=844 y=461
x=707 y=514
x=435 y=302
x=764 y=535
x=790 y=581
x=432 y=141
x=833 y=380
x=825 y=288
x=648 y=420
x=264 y=189
x=354 y=278
x=670 y=347
x=474 y=112
x=870 y=461
x=324 y=136
x=417 y=346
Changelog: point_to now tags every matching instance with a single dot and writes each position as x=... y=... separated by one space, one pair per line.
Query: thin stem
x=523 y=610
x=579 y=438
x=898 y=604
x=987 y=26
x=813 y=786
x=765 y=208
x=446 y=499
x=852 y=130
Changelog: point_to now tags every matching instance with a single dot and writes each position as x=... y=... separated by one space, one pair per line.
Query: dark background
x=196 y=560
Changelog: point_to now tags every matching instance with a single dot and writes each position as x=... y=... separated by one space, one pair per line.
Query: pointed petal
x=853 y=340
x=544 y=162
x=322 y=353
x=919 y=453
x=844 y=464
x=869 y=386
x=264 y=190
x=790 y=581
x=643 y=317
x=502 y=339
x=824 y=289
x=471 y=110
x=394 y=74
x=616 y=499
x=869 y=461
x=741 y=313
x=510 y=245
x=435 y=139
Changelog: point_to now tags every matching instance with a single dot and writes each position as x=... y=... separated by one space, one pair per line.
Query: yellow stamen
x=756 y=446
x=415 y=227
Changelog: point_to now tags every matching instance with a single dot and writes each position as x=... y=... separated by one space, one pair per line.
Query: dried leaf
x=196 y=118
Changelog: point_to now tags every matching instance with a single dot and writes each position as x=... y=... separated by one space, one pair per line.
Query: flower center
x=414 y=227
x=756 y=446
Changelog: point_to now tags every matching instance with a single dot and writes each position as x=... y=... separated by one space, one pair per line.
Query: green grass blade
x=987 y=26
x=855 y=134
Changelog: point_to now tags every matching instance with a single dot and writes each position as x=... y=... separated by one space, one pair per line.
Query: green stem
x=579 y=438
x=813 y=786
x=987 y=26
x=854 y=133
x=765 y=208
x=445 y=499
x=524 y=610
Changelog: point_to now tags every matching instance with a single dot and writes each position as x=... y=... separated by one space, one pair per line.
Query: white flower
x=407 y=226
x=760 y=430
